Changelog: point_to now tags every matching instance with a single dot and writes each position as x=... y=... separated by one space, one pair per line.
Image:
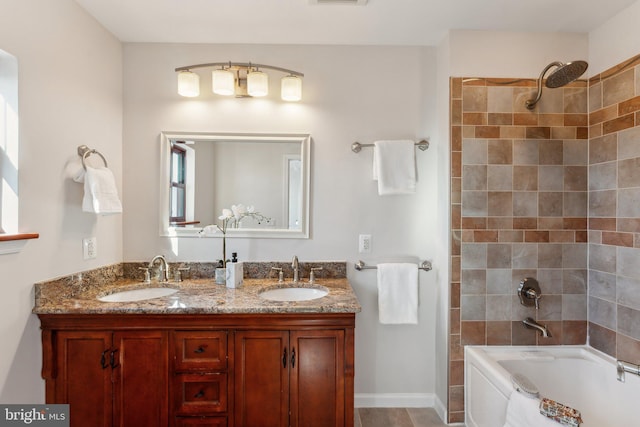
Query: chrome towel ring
x=84 y=152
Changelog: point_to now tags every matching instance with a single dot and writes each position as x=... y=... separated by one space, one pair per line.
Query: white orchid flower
x=251 y=209
x=239 y=211
x=209 y=230
x=226 y=214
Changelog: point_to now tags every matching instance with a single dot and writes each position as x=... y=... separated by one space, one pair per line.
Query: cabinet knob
x=199 y=394
x=284 y=358
x=199 y=350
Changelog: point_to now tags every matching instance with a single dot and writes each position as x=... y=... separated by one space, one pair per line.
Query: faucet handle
x=280 y=274
x=529 y=292
x=179 y=271
x=312 y=274
x=147 y=275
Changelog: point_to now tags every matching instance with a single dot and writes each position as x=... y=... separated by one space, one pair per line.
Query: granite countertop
x=194 y=296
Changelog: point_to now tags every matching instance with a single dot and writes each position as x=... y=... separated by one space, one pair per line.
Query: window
x=10 y=239
x=178 y=185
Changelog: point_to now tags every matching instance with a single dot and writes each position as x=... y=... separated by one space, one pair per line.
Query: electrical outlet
x=89 y=248
x=364 y=244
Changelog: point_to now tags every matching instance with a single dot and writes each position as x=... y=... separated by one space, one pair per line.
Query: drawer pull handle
x=284 y=358
x=293 y=357
x=199 y=350
x=103 y=359
x=199 y=394
x=112 y=358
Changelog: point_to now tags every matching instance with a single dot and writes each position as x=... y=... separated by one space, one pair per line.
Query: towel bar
x=356 y=146
x=84 y=152
x=360 y=265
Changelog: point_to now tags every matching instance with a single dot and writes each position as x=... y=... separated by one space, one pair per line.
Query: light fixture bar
x=240 y=64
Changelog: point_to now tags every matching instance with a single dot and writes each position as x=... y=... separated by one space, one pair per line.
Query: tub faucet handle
x=529 y=292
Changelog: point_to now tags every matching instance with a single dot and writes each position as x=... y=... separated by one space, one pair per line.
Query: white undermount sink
x=138 y=294
x=293 y=293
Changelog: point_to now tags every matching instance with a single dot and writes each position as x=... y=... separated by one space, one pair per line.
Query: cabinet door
x=83 y=376
x=262 y=379
x=317 y=378
x=140 y=379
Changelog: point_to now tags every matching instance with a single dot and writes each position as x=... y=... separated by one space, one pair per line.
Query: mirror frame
x=165 y=166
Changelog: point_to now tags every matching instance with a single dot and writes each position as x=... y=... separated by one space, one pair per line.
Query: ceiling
x=379 y=22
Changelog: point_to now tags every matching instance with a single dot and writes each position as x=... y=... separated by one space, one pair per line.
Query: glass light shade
x=223 y=82
x=291 y=88
x=188 y=84
x=257 y=83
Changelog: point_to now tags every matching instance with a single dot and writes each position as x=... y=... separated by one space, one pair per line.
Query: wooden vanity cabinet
x=290 y=378
x=264 y=370
x=109 y=378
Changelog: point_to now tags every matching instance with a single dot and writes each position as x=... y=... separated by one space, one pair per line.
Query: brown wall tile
x=487 y=132
x=617 y=239
x=602 y=339
x=538 y=132
x=474 y=118
x=500 y=119
x=603 y=115
x=629 y=106
x=608 y=224
x=473 y=333
x=621 y=123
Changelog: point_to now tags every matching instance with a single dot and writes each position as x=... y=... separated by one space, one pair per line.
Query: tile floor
x=397 y=417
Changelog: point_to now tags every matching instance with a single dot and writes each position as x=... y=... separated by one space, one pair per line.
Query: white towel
x=394 y=166
x=523 y=411
x=100 y=192
x=398 y=293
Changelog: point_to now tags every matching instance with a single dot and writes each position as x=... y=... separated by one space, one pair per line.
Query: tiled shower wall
x=531 y=196
x=614 y=211
x=518 y=209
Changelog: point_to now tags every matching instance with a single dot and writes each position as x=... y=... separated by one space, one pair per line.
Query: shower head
x=561 y=76
x=566 y=73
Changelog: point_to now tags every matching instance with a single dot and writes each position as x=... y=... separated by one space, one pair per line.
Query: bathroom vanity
x=203 y=356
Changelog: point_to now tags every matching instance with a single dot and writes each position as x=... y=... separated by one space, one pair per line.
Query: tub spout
x=532 y=324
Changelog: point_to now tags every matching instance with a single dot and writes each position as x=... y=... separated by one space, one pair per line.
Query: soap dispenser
x=235 y=272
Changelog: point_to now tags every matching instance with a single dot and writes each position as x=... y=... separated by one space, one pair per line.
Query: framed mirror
x=266 y=175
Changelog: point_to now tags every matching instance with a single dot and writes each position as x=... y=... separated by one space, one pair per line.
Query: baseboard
x=396 y=400
x=440 y=408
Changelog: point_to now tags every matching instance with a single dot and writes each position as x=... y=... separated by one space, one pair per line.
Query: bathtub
x=577 y=376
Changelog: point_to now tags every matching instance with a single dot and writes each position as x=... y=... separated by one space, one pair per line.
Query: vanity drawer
x=201 y=421
x=200 y=350
x=200 y=394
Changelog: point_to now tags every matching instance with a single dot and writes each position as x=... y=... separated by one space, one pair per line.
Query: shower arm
x=531 y=103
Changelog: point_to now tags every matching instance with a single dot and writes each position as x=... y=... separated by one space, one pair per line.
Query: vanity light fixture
x=188 y=83
x=240 y=79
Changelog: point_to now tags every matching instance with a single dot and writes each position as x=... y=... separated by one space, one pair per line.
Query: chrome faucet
x=532 y=324
x=623 y=367
x=296 y=269
x=163 y=272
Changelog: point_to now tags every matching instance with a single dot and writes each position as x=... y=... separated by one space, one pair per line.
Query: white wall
x=349 y=94
x=511 y=54
x=70 y=85
x=616 y=40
